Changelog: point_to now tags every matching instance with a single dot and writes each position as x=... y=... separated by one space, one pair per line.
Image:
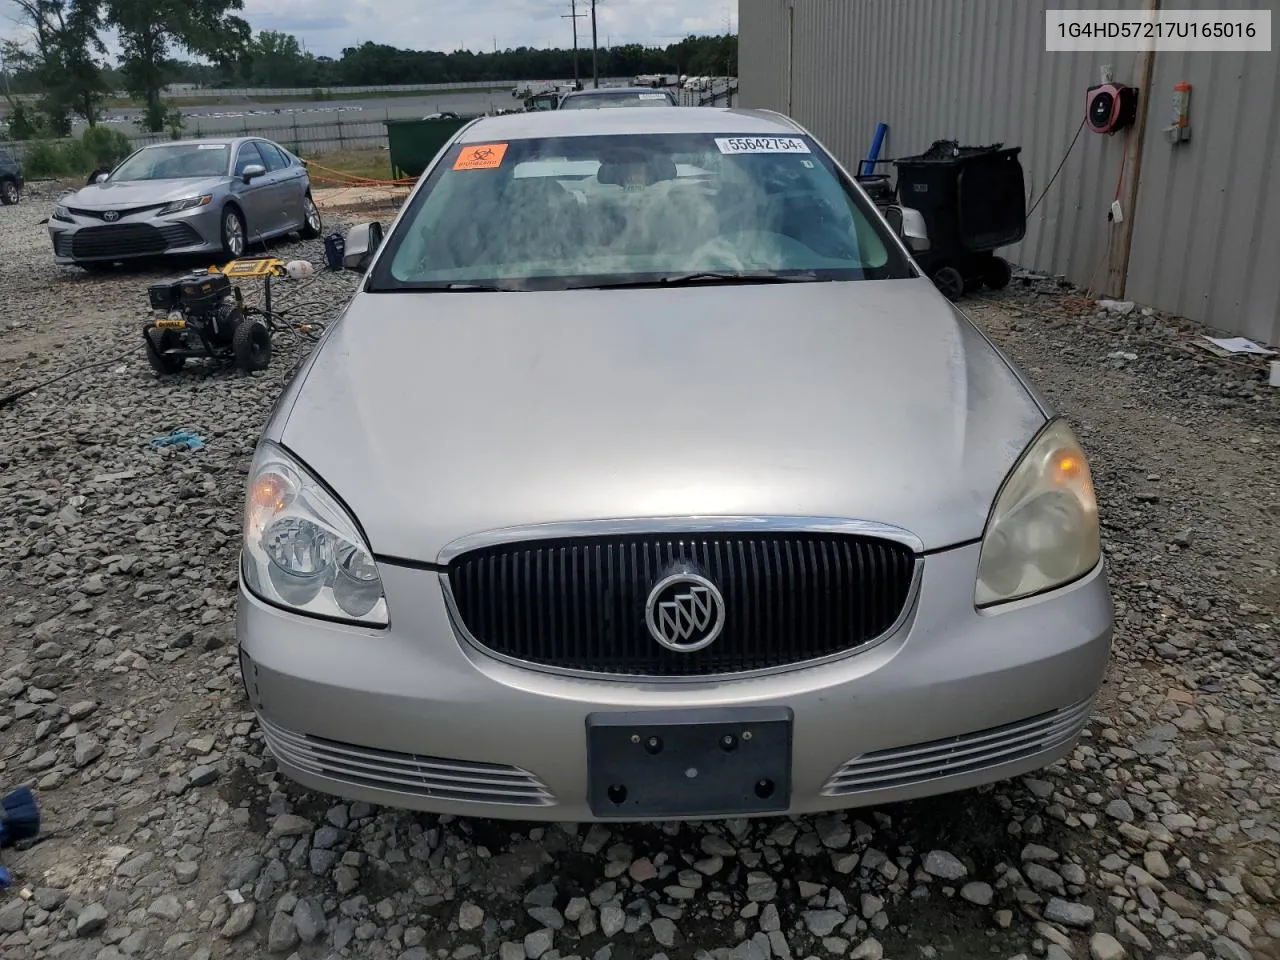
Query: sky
x=325 y=29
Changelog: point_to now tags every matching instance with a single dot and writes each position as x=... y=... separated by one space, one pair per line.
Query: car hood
x=140 y=193
x=437 y=415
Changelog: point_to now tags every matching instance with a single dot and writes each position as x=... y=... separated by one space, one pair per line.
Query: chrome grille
x=579 y=603
x=440 y=779
x=956 y=756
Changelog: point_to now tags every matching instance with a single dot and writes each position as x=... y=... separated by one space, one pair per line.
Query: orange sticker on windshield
x=486 y=156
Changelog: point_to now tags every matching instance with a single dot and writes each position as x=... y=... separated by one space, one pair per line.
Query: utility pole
x=573 y=15
x=595 y=49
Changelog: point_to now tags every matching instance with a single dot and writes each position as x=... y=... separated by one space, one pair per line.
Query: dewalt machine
x=205 y=316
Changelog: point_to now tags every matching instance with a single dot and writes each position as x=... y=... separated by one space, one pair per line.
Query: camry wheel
x=8 y=193
x=311 y=222
x=233 y=233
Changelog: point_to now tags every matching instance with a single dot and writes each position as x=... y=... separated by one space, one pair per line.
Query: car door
x=288 y=183
x=261 y=213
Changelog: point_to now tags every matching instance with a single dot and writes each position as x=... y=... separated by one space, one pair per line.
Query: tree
x=150 y=29
x=62 y=59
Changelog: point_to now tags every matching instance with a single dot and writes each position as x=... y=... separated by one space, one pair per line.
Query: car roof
x=607 y=90
x=586 y=123
x=209 y=141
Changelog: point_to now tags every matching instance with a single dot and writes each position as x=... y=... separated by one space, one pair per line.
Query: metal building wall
x=977 y=71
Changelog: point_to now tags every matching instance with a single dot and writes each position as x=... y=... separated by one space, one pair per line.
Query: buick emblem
x=685 y=612
x=111 y=216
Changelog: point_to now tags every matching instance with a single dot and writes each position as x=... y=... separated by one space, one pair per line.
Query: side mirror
x=253 y=170
x=361 y=243
x=910 y=226
x=100 y=177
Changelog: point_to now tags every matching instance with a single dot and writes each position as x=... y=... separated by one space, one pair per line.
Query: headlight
x=62 y=213
x=186 y=204
x=1043 y=531
x=302 y=550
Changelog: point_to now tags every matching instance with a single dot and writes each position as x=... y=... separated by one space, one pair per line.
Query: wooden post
x=1122 y=233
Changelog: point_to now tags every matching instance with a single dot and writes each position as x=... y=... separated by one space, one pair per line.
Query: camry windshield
x=175 y=162
x=590 y=100
x=611 y=210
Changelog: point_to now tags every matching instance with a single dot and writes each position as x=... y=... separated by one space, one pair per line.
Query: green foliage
x=105 y=147
x=51 y=158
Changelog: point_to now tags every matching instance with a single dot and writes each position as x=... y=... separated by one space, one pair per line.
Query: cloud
x=471 y=24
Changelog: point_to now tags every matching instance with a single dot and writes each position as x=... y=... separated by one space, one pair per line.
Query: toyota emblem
x=111 y=216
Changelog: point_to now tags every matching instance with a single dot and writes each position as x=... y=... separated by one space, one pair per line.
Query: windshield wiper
x=707 y=277
x=454 y=288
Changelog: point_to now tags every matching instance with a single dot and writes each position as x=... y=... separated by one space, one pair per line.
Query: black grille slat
x=579 y=603
x=126 y=239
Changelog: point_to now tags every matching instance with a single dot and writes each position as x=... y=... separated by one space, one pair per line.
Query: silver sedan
x=214 y=196
x=646 y=477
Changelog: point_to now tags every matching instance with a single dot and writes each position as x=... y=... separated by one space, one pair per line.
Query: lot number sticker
x=732 y=145
x=484 y=156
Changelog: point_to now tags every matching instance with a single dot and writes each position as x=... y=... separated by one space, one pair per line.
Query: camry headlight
x=1043 y=531
x=62 y=213
x=302 y=550
x=186 y=204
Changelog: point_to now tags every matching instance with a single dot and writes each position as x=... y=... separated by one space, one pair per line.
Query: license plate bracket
x=719 y=762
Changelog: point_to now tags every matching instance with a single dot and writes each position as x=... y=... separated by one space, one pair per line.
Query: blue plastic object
x=869 y=164
x=184 y=438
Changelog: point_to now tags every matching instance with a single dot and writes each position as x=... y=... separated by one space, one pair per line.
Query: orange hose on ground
x=350 y=179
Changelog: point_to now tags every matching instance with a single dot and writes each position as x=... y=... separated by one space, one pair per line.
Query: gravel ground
x=170 y=835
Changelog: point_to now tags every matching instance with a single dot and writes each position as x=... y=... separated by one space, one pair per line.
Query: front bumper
x=87 y=240
x=415 y=717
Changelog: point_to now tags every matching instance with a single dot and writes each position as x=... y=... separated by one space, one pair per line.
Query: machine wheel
x=950 y=282
x=311 y=222
x=234 y=233
x=997 y=273
x=9 y=192
x=165 y=366
x=252 y=345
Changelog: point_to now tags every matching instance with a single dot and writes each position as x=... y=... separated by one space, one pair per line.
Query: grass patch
x=213 y=99
x=373 y=164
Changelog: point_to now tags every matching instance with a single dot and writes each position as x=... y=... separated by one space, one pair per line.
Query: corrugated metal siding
x=1207 y=232
x=977 y=71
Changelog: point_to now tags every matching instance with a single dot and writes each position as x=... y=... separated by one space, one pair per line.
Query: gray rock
x=470 y=916
x=1119 y=809
x=1077 y=915
x=50 y=898
x=1224 y=948
x=1043 y=878
x=308 y=919
x=282 y=935
x=1035 y=853
x=664 y=931
x=289 y=825
x=511 y=951
x=186 y=871
x=944 y=866
x=549 y=917
x=868 y=950
x=834 y=832
x=90 y=920
x=240 y=920
x=1103 y=946
x=1126 y=932
x=612 y=920
x=11 y=915
x=978 y=893
x=166 y=908
x=538 y=943
x=761 y=887
x=822 y=923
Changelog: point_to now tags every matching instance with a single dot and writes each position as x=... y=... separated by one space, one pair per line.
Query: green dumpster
x=414 y=143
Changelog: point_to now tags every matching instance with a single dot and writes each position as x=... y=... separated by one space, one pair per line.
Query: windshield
x=629 y=99
x=175 y=161
x=605 y=210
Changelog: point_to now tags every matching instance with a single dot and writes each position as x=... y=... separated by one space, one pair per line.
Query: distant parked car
x=443 y=115
x=212 y=196
x=10 y=177
x=617 y=97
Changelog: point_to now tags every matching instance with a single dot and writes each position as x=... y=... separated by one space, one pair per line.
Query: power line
x=574 y=15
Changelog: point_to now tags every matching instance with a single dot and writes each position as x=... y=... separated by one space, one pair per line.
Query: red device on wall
x=1111 y=107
